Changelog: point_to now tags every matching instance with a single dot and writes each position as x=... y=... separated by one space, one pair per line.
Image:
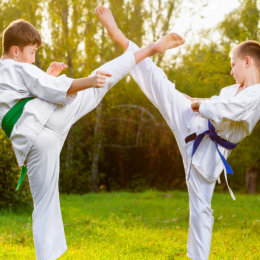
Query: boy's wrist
x=91 y=82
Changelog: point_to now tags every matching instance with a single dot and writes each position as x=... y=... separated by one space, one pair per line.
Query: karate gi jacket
x=20 y=80
x=234 y=118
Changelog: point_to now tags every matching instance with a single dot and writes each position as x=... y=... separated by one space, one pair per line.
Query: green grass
x=151 y=225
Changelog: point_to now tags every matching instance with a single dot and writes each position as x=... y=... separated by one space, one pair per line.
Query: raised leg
x=174 y=107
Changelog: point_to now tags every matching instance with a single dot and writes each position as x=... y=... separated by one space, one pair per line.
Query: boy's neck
x=251 y=80
x=7 y=56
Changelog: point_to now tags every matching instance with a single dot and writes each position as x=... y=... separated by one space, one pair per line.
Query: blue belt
x=215 y=138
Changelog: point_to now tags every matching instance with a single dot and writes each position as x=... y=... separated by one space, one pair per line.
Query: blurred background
x=125 y=144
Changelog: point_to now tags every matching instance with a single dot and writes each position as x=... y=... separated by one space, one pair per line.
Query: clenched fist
x=195 y=106
x=99 y=79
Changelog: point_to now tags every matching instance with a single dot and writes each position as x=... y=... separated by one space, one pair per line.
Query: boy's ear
x=248 y=61
x=14 y=50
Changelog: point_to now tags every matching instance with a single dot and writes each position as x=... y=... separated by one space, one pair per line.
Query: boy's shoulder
x=253 y=92
x=10 y=63
x=231 y=87
x=21 y=68
x=228 y=89
x=26 y=66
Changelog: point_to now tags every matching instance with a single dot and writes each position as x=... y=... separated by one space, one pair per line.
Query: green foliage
x=9 y=176
x=138 y=226
x=204 y=71
x=242 y=23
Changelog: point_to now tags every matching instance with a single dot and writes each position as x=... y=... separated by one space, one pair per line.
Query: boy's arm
x=244 y=108
x=55 y=89
x=194 y=99
x=197 y=99
x=219 y=111
x=96 y=81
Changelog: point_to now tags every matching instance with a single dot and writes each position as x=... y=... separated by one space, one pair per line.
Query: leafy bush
x=9 y=176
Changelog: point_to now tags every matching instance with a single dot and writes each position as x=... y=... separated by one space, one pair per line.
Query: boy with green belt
x=37 y=110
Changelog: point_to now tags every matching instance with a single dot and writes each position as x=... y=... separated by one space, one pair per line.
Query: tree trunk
x=97 y=131
x=96 y=148
x=251 y=179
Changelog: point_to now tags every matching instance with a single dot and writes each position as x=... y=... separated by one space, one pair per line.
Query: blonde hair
x=247 y=48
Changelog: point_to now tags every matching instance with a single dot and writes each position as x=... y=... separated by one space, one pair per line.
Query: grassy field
x=150 y=225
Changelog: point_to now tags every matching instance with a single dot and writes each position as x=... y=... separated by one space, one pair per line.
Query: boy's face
x=238 y=69
x=27 y=55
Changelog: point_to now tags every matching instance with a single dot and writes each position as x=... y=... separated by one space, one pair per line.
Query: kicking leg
x=174 y=107
x=88 y=99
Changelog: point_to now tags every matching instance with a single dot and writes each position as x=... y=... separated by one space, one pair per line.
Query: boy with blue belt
x=206 y=130
x=37 y=110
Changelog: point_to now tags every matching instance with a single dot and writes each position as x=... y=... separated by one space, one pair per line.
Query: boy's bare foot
x=169 y=41
x=107 y=19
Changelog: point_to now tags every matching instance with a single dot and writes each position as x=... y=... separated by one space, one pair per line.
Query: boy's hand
x=55 y=68
x=195 y=106
x=99 y=79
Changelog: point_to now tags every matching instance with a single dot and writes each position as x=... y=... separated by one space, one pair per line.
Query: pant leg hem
x=191 y=257
x=59 y=254
x=195 y=258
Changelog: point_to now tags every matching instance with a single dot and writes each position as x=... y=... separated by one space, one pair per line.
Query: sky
x=208 y=17
x=212 y=14
x=189 y=25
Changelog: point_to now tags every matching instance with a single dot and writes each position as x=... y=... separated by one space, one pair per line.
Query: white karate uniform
x=51 y=124
x=20 y=80
x=233 y=117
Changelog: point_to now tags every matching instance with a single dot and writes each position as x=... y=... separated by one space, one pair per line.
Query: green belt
x=8 y=122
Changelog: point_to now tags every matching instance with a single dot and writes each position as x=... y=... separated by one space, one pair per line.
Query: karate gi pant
x=176 y=109
x=43 y=161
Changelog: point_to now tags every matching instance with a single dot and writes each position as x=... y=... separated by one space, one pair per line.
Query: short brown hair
x=20 y=33
x=248 y=48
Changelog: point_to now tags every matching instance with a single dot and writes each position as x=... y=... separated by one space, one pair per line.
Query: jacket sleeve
x=244 y=108
x=44 y=86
